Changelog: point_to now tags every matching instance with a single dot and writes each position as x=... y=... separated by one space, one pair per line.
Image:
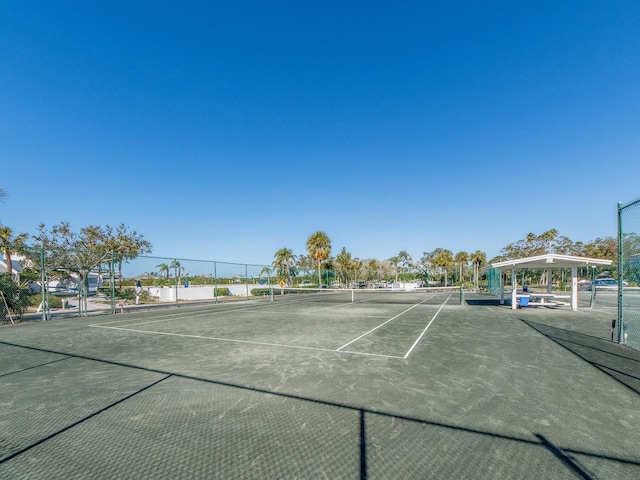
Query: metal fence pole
x=620 y=275
x=215 y=283
x=246 y=280
x=43 y=288
x=175 y=274
x=593 y=287
x=112 y=280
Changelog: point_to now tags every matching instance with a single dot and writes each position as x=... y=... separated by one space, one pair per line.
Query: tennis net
x=425 y=295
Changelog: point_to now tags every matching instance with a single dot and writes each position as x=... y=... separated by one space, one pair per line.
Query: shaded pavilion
x=547 y=262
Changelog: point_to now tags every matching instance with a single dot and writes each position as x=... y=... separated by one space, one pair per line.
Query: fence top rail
x=622 y=205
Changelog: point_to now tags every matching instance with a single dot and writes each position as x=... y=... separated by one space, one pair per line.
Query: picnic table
x=542 y=299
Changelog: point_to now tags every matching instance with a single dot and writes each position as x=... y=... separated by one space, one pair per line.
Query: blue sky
x=227 y=130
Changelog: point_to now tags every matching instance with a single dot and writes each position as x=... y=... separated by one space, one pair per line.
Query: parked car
x=607 y=284
x=584 y=285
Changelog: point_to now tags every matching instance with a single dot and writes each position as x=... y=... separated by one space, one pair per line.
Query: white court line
x=250 y=342
x=178 y=315
x=160 y=319
x=328 y=308
x=184 y=314
x=382 y=324
x=339 y=306
x=406 y=355
x=167 y=318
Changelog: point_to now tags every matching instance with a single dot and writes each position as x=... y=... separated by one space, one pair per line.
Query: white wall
x=205 y=292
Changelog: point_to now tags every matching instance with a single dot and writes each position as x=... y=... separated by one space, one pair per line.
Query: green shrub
x=54 y=301
x=15 y=296
x=261 y=292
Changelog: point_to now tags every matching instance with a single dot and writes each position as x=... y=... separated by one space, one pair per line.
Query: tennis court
x=322 y=385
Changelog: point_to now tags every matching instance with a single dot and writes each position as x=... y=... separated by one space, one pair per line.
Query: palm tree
x=478 y=259
x=283 y=261
x=304 y=263
x=343 y=264
x=175 y=264
x=163 y=268
x=319 y=248
x=9 y=244
x=267 y=271
x=461 y=259
x=443 y=259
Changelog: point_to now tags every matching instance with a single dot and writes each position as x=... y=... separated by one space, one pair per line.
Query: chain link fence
x=46 y=282
x=628 y=327
x=50 y=282
x=382 y=276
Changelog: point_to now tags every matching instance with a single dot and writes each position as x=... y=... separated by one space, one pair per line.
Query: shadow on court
x=163 y=424
x=620 y=363
x=488 y=393
x=483 y=302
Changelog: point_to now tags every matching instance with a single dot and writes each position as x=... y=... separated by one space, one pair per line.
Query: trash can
x=524 y=301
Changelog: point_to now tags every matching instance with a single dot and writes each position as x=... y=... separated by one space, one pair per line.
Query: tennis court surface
x=375 y=387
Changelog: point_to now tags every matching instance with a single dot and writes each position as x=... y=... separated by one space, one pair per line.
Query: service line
x=382 y=325
x=425 y=329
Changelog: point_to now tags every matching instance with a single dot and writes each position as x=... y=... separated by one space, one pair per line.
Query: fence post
x=620 y=275
x=112 y=274
x=246 y=280
x=215 y=283
x=43 y=289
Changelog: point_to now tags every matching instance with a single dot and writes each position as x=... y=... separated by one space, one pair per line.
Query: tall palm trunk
x=7 y=256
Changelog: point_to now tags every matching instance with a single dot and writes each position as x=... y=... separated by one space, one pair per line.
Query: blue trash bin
x=524 y=301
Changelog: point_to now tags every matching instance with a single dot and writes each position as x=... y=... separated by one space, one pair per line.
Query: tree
x=372 y=269
x=178 y=269
x=304 y=262
x=266 y=271
x=10 y=244
x=603 y=248
x=15 y=296
x=319 y=248
x=400 y=262
x=283 y=263
x=544 y=243
x=344 y=265
x=163 y=268
x=125 y=245
x=461 y=259
x=67 y=251
x=355 y=267
x=478 y=259
x=443 y=259
x=348 y=267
